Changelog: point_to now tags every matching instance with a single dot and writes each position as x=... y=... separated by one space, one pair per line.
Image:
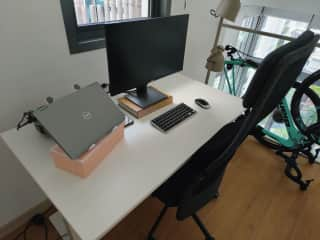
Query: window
x=269 y=20
x=84 y=19
x=281 y=26
x=258 y=46
x=101 y=11
x=263 y=45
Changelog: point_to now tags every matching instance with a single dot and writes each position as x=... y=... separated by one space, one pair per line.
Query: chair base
x=156 y=224
x=195 y=218
x=202 y=227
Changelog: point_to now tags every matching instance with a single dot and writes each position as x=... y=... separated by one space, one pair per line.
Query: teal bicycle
x=292 y=128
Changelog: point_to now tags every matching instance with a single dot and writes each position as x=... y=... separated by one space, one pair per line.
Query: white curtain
x=99 y=11
x=303 y=6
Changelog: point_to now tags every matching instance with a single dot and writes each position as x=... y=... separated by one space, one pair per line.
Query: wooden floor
x=257 y=202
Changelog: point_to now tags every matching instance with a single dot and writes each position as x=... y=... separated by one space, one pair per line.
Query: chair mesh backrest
x=283 y=77
x=271 y=83
x=261 y=79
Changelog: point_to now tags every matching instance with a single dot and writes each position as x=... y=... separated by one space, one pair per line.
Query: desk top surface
x=139 y=164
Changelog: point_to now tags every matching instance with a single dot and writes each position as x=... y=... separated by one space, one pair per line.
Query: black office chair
x=198 y=181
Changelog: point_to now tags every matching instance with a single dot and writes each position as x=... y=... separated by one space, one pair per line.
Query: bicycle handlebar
x=232 y=50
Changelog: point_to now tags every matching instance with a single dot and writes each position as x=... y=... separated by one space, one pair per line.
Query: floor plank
x=257 y=202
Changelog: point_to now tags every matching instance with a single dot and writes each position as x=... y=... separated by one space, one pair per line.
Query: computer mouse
x=202 y=103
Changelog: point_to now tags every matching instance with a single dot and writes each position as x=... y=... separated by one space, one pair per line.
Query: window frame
x=266 y=11
x=91 y=37
x=261 y=13
x=287 y=14
x=80 y=38
x=313 y=22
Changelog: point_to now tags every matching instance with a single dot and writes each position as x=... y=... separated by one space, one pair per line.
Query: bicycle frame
x=233 y=63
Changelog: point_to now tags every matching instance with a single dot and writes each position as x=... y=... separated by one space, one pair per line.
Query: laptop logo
x=87 y=115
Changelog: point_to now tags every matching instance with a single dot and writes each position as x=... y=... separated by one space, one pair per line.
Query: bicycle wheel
x=305 y=106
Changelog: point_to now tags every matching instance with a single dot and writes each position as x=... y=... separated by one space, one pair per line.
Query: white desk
x=136 y=167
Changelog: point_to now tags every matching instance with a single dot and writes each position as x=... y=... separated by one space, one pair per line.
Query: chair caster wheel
x=151 y=238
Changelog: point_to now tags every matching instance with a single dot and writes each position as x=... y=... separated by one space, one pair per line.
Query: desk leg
x=72 y=234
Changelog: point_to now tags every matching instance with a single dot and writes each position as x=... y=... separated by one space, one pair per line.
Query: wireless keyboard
x=173 y=117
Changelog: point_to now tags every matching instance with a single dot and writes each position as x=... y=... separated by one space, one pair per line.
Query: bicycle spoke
x=306 y=106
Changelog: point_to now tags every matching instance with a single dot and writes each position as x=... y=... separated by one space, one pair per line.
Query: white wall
x=202 y=28
x=34 y=63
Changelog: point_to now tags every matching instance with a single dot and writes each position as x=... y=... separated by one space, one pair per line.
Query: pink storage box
x=85 y=165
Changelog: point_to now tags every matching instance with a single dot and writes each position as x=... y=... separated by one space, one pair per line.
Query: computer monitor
x=143 y=50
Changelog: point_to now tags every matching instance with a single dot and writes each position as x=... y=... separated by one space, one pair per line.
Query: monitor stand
x=145 y=97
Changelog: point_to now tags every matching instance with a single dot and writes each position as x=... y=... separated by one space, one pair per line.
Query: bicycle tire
x=305 y=89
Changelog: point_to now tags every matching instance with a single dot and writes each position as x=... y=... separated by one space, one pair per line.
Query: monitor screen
x=144 y=50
